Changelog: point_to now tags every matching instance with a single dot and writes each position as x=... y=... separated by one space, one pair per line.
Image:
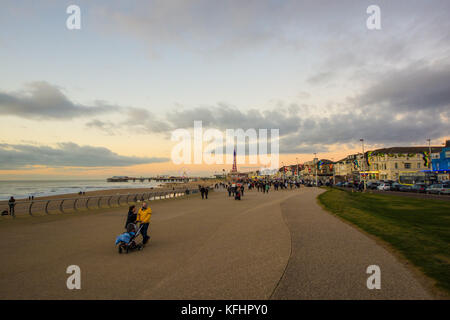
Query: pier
x=149 y=179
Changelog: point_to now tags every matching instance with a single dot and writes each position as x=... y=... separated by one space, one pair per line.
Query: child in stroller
x=127 y=241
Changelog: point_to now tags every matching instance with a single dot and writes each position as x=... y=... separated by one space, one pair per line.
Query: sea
x=24 y=189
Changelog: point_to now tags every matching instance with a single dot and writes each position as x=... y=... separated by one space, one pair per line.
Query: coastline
x=116 y=191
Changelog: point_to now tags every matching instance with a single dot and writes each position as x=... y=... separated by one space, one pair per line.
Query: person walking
x=202 y=191
x=132 y=216
x=11 y=205
x=206 y=192
x=143 y=216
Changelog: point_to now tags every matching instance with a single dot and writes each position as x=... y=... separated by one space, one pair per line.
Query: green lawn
x=417 y=228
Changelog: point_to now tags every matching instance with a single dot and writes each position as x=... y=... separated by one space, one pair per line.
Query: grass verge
x=418 y=228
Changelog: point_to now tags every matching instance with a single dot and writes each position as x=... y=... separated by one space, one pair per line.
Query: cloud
x=41 y=100
x=144 y=121
x=106 y=126
x=418 y=87
x=223 y=116
x=68 y=154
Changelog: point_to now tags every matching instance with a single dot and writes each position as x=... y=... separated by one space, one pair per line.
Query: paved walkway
x=329 y=258
x=278 y=245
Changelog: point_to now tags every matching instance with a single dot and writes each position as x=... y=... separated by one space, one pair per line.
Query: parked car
x=384 y=186
x=340 y=184
x=405 y=188
x=439 y=188
x=395 y=186
x=419 y=188
x=372 y=185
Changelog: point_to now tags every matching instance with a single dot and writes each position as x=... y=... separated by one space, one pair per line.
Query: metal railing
x=63 y=205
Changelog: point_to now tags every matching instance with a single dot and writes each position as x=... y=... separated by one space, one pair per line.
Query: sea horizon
x=22 y=189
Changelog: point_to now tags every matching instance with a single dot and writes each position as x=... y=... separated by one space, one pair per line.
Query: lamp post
x=429 y=150
x=334 y=177
x=364 y=163
x=298 y=173
x=315 y=165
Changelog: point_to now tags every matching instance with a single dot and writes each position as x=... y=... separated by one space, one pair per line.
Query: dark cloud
x=418 y=87
x=42 y=100
x=224 y=116
x=68 y=154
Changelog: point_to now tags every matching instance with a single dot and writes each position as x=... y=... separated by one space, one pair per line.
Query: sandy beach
x=124 y=191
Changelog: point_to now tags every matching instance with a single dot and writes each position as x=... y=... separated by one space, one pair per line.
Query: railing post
x=46 y=206
x=75 y=204
x=118 y=200
x=98 y=202
x=87 y=203
x=109 y=201
x=61 y=206
x=29 y=208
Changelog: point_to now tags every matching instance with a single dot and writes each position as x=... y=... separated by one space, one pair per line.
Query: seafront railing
x=63 y=205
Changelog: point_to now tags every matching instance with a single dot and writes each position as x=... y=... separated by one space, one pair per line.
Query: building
x=347 y=169
x=323 y=168
x=290 y=171
x=393 y=163
x=441 y=162
x=234 y=174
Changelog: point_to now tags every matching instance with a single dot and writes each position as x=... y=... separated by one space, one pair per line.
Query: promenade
x=280 y=245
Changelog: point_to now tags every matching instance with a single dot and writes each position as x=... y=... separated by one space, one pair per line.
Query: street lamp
x=364 y=163
x=298 y=173
x=429 y=150
x=315 y=165
x=334 y=177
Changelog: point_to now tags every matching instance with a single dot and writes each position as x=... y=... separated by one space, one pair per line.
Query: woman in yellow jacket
x=143 y=217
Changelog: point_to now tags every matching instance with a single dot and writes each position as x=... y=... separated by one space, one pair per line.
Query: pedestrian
x=206 y=192
x=132 y=216
x=12 y=204
x=202 y=191
x=143 y=217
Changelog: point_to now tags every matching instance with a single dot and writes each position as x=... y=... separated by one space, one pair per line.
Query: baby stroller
x=127 y=241
x=237 y=195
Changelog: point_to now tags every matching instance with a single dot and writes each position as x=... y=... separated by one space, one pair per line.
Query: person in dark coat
x=202 y=191
x=206 y=192
x=132 y=215
x=11 y=205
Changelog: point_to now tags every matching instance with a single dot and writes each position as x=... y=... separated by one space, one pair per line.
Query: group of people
x=236 y=190
x=204 y=191
x=142 y=216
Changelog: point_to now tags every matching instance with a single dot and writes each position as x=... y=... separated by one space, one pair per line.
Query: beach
x=22 y=204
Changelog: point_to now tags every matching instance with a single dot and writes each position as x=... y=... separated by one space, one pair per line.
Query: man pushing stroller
x=143 y=217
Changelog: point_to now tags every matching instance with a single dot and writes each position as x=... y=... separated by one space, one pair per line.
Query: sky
x=104 y=100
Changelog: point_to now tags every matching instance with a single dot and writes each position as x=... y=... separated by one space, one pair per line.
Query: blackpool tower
x=234 y=169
